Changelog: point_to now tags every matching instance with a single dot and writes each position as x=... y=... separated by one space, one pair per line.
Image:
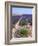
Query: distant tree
x=30 y=21
x=23 y=22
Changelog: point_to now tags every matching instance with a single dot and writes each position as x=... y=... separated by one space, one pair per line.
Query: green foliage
x=23 y=32
x=23 y=22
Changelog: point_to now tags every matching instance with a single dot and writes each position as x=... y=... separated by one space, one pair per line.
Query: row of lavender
x=15 y=18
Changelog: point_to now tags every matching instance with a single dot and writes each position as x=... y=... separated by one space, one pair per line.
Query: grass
x=23 y=33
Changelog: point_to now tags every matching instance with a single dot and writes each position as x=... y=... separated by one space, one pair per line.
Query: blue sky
x=17 y=10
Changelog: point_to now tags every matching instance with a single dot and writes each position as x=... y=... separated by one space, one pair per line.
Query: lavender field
x=15 y=18
x=21 y=25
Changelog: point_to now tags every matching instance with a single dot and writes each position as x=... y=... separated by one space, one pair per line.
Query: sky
x=17 y=10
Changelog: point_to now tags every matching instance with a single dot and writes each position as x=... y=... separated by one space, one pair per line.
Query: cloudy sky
x=17 y=10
